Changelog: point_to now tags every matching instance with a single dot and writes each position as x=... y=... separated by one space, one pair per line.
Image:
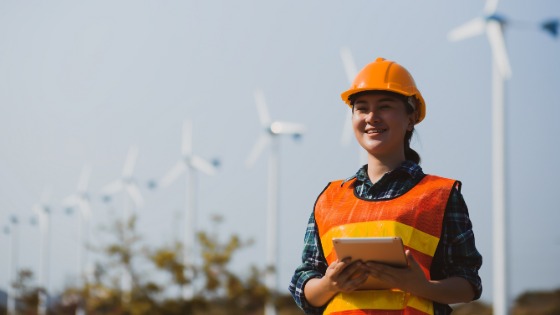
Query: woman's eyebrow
x=387 y=99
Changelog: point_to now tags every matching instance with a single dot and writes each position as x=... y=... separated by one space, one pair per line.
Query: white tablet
x=386 y=250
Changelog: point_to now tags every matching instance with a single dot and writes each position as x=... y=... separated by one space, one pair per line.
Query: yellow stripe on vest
x=378 y=300
x=413 y=238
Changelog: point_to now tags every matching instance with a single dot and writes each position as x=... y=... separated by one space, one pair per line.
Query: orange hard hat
x=387 y=75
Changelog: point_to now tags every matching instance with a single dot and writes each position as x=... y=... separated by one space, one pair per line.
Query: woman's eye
x=359 y=108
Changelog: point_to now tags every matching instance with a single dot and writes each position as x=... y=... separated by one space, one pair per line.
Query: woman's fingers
x=348 y=275
x=357 y=277
x=377 y=270
x=408 y=278
x=388 y=274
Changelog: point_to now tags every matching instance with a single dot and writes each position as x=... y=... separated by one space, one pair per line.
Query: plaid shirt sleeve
x=313 y=265
x=457 y=255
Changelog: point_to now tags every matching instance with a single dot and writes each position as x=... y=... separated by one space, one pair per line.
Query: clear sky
x=82 y=82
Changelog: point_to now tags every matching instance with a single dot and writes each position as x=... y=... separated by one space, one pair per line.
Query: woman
x=389 y=196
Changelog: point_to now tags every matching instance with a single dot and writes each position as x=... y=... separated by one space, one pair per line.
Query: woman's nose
x=372 y=116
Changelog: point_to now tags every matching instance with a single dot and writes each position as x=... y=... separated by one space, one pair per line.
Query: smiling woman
x=390 y=196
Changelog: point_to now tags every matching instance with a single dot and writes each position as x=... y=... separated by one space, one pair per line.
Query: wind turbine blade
x=41 y=214
x=186 y=147
x=472 y=28
x=490 y=7
x=203 y=165
x=349 y=64
x=498 y=45
x=173 y=173
x=347 y=131
x=130 y=161
x=112 y=188
x=287 y=128
x=135 y=194
x=261 y=143
x=84 y=179
x=262 y=109
x=85 y=208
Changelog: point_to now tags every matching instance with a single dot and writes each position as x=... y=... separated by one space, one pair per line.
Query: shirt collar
x=406 y=168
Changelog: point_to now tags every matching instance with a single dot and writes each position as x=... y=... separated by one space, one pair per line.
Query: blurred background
x=83 y=83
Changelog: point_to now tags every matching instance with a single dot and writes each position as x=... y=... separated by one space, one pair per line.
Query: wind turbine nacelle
x=551 y=27
x=152 y=184
x=497 y=18
x=216 y=162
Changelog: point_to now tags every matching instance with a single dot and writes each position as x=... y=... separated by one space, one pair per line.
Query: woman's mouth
x=375 y=131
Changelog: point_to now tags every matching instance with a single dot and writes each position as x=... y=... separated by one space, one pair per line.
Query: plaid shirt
x=456 y=254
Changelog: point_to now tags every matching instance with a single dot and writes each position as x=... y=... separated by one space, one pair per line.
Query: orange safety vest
x=416 y=217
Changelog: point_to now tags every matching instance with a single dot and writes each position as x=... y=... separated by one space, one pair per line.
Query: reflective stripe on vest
x=378 y=301
x=416 y=217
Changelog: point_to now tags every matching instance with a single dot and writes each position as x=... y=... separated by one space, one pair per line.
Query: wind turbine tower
x=13 y=263
x=43 y=213
x=269 y=136
x=81 y=202
x=192 y=164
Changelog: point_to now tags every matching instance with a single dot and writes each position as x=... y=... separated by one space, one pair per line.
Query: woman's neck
x=379 y=167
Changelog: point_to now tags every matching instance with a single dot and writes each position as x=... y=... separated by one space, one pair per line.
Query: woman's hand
x=412 y=279
x=345 y=275
x=409 y=279
x=341 y=276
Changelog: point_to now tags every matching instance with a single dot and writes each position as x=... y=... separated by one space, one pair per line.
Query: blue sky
x=82 y=82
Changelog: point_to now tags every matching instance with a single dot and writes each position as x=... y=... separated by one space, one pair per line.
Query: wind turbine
x=351 y=72
x=269 y=136
x=493 y=25
x=9 y=298
x=13 y=263
x=126 y=183
x=43 y=213
x=81 y=201
x=193 y=163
